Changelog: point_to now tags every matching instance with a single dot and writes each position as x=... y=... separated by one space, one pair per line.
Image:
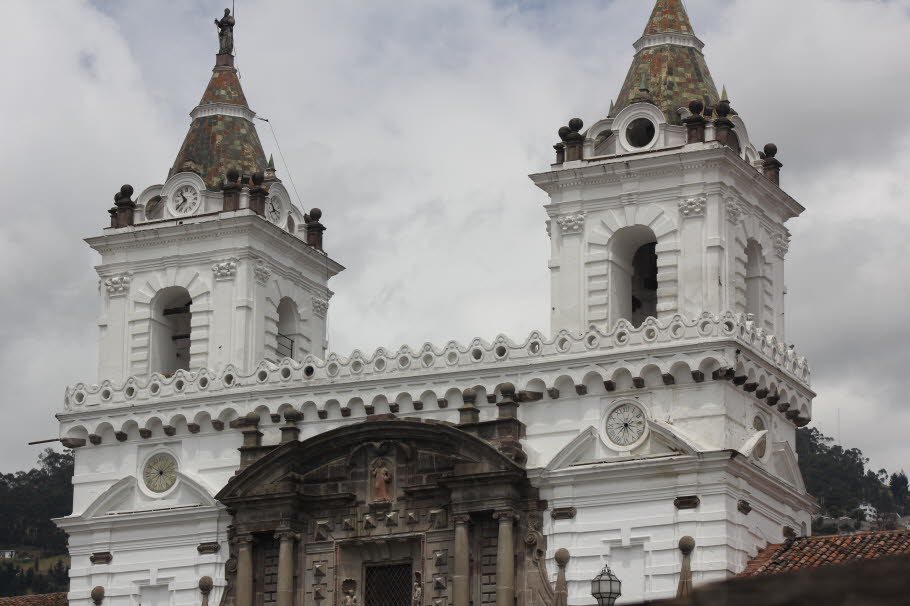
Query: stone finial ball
x=770 y=150
x=252 y=418
x=292 y=416
x=258 y=178
x=117 y=197
x=469 y=395
x=98 y=594
x=508 y=390
x=686 y=545
x=562 y=556
x=723 y=109
x=576 y=124
x=206 y=584
x=126 y=191
x=315 y=214
x=696 y=107
x=564 y=132
x=233 y=174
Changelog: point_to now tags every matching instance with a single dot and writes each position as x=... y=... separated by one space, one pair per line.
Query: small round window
x=640 y=132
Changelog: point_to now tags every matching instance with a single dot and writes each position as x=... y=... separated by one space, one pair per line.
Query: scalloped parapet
x=478 y=356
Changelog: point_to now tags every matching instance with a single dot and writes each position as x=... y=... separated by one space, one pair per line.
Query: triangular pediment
x=126 y=497
x=589 y=447
x=786 y=465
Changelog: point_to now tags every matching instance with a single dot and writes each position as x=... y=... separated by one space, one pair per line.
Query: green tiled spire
x=220 y=138
x=676 y=71
x=669 y=16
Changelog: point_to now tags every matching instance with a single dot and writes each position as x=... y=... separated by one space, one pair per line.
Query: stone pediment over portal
x=350 y=461
x=590 y=447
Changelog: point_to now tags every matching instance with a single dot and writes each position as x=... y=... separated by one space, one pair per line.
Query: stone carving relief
x=735 y=210
x=571 y=224
x=382 y=478
x=417 y=592
x=349 y=593
x=693 y=207
x=320 y=307
x=225 y=270
x=262 y=273
x=781 y=245
x=119 y=285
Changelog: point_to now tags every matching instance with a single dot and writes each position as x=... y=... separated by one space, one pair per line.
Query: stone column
x=285 y=587
x=505 y=560
x=244 y=582
x=462 y=577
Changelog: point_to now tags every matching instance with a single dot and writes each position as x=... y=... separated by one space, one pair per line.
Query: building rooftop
x=816 y=552
x=43 y=599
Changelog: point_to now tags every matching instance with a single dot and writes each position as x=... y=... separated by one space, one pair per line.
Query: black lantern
x=606 y=587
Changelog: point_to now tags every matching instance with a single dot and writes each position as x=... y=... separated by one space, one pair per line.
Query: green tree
x=899 y=490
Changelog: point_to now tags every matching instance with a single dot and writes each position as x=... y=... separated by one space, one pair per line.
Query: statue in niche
x=225 y=33
x=382 y=479
x=417 y=593
x=349 y=591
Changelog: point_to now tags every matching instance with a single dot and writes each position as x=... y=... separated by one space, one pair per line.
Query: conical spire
x=669 y=16
x=673 y=66
x=222 y=135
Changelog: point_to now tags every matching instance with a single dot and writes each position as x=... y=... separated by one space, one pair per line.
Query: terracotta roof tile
x=814 y=552
x=44 y=599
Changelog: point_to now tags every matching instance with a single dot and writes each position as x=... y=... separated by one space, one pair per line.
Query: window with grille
x=388 y=585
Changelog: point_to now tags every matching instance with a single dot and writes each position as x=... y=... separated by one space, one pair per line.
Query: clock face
x=160 y=472
x=185 y=200
x=626 y=424
x=273 y=209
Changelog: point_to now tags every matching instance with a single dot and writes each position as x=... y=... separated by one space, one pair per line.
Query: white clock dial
x=626 y=424
x=273 y=209
x=186 y=200
x=160 y=472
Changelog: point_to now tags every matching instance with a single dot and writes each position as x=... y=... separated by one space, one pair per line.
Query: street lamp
x=606 y=587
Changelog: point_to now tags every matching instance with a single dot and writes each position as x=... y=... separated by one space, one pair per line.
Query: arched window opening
x=633 y=275
x=754 y=279
x=169 y=344
x=288 y=331
x=644 y=283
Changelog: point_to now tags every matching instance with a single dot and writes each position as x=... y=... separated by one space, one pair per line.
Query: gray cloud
x=413 y=125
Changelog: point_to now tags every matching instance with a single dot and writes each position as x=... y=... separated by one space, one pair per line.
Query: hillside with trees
x=842 y=483
x=28 y=502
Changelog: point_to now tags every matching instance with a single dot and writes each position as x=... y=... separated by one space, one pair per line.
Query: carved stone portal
x=386 y=509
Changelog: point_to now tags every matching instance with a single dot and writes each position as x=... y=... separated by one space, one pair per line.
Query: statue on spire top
x=225 y=33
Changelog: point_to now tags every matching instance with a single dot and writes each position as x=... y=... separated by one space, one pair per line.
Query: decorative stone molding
x=223 y=109
x=693 y=207
x=674 y=38
x=571 y=224
x=320 y=307
x=563 y=513
x=101 y=557
x=262 y=273
x=119 y=285
x=743 y=507
x=440 y=557
x=207 y=548
x=689 y=502
x=781 y=245
x=225 y=270
x=735 y=210
x=437 y=519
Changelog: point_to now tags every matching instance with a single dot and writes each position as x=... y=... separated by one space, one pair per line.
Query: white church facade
x=225 y=454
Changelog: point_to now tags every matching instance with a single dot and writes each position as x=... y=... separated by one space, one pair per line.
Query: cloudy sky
x=413 y=125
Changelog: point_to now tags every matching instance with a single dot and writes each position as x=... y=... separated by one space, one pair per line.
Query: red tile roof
x=43 y=599
x=815 y=552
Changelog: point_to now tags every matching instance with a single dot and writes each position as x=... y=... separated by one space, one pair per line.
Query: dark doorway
x=388 y=585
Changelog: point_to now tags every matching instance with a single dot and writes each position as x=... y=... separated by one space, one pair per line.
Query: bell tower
x=215 y=267
x=666 y=206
